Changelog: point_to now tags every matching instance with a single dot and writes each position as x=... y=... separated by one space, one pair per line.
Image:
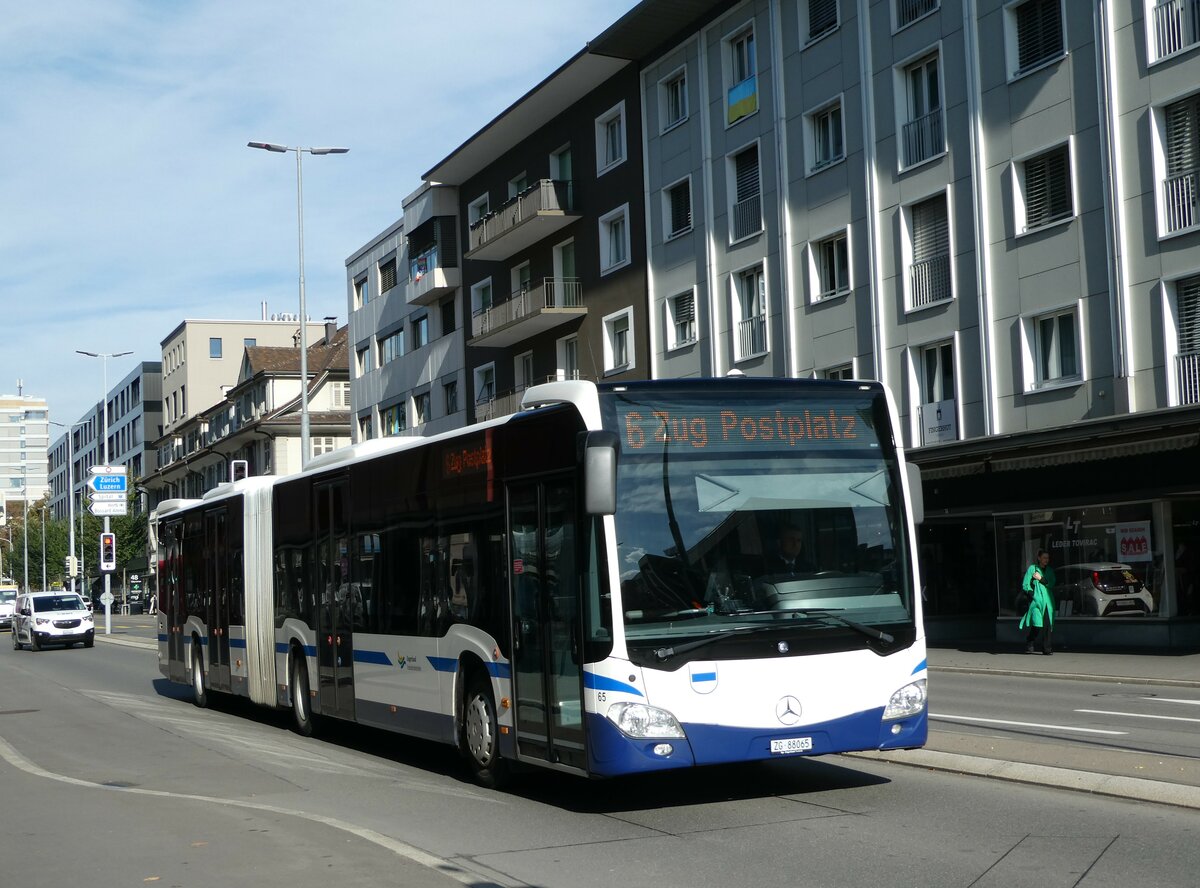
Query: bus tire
x=302 y=716
x=481 y=735
x=199 y=692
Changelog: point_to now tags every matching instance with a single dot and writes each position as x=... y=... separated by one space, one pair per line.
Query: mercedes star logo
x=787 y=710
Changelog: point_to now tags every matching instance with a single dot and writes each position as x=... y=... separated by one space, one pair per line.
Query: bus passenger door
x=547 y=670
x=335 y=648
x=171 y=603
x=217 y=617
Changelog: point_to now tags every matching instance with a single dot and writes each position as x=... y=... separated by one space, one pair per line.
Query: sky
x=130 y=202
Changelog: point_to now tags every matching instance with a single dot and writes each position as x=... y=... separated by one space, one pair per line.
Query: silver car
x=1104 y=589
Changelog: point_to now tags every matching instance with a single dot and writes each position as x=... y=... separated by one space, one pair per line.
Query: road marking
x=997 y=721
x=1170 y=700
x=1173 y=718
x=400 y=849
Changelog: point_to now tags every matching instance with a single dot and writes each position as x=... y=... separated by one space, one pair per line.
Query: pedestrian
x=1039 y=616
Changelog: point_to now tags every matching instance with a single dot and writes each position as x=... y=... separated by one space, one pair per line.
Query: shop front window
x=1108 y=561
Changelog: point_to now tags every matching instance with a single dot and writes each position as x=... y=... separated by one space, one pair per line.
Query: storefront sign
x=1133 y=542
x=939 y=422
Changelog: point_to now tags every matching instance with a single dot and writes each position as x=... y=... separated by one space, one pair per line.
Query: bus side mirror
x=600 y=473
x=916 y=493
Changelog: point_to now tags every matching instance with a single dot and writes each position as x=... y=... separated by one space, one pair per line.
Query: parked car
x=8 y=604
x=1104 y=589
x=52 y=618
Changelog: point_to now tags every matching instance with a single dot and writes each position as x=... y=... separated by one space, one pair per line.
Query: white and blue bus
x=590 y=585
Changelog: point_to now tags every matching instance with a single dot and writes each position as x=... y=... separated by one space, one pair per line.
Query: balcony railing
x=1179 y=199
x=500 y=405
x=1188 y=370
x=1176 y=26
x=911 y=10
x=930 y=280
x=747 y=217
x=544 y=198
x=528 y=301
x=752 y=337
x=923 y=138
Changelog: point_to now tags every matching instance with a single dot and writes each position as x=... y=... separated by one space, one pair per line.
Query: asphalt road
x=108 y=777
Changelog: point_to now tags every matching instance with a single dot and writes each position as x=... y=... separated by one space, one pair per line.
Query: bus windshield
x=765 y=513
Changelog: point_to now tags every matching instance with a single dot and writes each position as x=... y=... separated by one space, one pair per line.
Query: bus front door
x=547 y=670
x=335 y=647
x=218 y=589
x=172 y=609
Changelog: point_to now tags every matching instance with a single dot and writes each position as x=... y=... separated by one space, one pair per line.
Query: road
x=109 y=777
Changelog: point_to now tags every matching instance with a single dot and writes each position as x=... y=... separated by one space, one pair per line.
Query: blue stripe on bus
x=378 y=658
x=237 y=642
x=282 y=647
x=444 y=664
x=604 y=683
x=704 y=676
x=921 y=667
x=499 y=670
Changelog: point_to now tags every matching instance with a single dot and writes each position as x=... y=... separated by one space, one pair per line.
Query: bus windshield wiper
x=663 y=654
x=828 y=613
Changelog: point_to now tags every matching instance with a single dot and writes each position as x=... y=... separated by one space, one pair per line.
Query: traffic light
x=108 y=551
x=71 y=565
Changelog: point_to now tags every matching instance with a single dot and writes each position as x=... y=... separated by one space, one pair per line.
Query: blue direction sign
x=108 y=483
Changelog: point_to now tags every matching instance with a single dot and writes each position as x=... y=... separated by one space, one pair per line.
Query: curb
x=1135 y=788
x=1072 y=676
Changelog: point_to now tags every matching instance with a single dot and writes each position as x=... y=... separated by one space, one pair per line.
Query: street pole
x=70 y=490
x=25 y=519
x=305 y=432
x=45 y=584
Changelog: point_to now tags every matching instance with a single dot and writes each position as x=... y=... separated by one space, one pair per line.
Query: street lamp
x=104 y=443
x=305 y=447
x=71 y=483
x=45 y=585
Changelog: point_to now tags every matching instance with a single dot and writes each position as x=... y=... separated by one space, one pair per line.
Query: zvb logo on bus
x=665 y=427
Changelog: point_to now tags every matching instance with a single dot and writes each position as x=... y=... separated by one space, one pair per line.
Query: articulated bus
x=586 y=585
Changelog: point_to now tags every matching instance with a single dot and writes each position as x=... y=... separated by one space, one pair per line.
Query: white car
x=8 y=604
x=1104 y=589
x=52 y=618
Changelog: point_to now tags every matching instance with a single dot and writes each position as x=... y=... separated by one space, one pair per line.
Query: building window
x=567 y=351
x=450 y=396
x=387 y=275
x=617 y=355
x=672 y=98
x=394 y=420
x=842 y=371
x=929 y=278
x=610 y=139
x=681 y=318
x=1034 y=34
x=341 y=394
x=614 y=239
x=831 y=258
x=746 y=212
x=908 y=11
x=742 y=91
x=391 y=347
x=921 y=131
x=937 y=373
x=1056 y=346
x=1181 y=156
x=321 y=445
x=364 y=360
x=420 y=331
x=477 y=209
x=249 y=343
x=822 y=17
x=214 y=347
x=448 y=325
x=1045 y=189
x=364 y=428
x=421 y=408
x=1187 y=333
x=750 y=300
x=361 y=295
x=677 y=208
x=825 y=136
x=1175 y=26
x=523 y=368
x=518 y=184
x=485 y=384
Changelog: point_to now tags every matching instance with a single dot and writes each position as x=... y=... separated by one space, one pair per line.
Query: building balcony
x=930 y=280
x=495 y=406
x=923 y=138
x=1176 y=26
x=1180 y=195
x=751 y=337
x=536 y=213
x=530 y=311
x=428 y=280
x=1188 y=376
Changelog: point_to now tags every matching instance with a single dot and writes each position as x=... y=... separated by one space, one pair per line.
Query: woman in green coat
x=1039 y=616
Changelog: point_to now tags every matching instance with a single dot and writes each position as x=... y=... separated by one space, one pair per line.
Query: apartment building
x=24 y=439
x=988 y=205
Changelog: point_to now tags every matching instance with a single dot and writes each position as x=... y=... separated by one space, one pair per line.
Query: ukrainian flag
x=743 y=98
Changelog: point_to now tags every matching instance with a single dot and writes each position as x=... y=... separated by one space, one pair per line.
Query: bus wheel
x=199 y=694
x=301 y=713
x=481 y=734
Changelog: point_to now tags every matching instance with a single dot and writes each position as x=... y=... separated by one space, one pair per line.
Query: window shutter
x=746 y=173
x=685 y=308
x=1047 y=187
x=931 y=230
x=1183 y=135
x=1188 y=297
x=822 y=17
x=1039 y=33
x=387 y=276
x=681 y=207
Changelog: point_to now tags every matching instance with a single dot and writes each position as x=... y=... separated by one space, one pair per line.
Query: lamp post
x=70 y=485
x=25 y=519
x=104 y=443
x=45 y=585
x=305 y=446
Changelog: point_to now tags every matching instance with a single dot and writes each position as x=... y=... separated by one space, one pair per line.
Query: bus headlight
x=909 y=700
x=642 y=721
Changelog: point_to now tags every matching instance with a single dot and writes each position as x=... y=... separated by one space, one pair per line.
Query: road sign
x=106 y=470
x=106 y=496
x=108 y=483
x=109 y=509
x=107 y=598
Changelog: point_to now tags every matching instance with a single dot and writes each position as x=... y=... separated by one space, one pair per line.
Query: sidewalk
x=1148 y=667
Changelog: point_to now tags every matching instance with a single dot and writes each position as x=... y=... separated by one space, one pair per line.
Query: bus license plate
x=791 y=744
